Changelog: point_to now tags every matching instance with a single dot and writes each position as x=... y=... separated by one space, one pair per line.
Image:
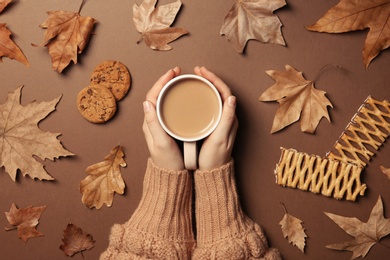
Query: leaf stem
x=285 y=210
x=81 y=6
x=323 y=67
x=10 y=228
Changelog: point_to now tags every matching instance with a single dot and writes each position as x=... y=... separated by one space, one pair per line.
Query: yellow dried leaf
x=66 y=36
x=8 y=48
x=21 y=139
x=386 y=171
x=353 y=15
x=366 y=234
x=104 y=178
x=253 y=20
x=297 y=98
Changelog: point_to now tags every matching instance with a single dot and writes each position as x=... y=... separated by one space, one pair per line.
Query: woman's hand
x=217 y=148
x=163 y=149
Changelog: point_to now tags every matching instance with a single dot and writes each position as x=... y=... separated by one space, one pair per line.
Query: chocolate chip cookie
x=113 y=75
x=96 y=103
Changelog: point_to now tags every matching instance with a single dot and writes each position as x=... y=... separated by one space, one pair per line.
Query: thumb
x=228 y=116
x=151 y=121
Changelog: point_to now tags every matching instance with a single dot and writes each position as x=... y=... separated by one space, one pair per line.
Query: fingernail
x=146 y=106
x=231 y=101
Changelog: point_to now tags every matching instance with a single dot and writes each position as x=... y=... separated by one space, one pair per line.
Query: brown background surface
x=256 y=152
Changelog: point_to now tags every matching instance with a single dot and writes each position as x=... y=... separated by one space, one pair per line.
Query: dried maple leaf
x=352 y=15
x=366 y=234
x=3 y=4
x=75 y=240
x=253 y=20
x=66 y=36
x=293 y=230
x=297 y=98
x=104 y=178
x=8 y=48
x=386 y=171
x=25 y=220
x=154 y=23
x=21 y=138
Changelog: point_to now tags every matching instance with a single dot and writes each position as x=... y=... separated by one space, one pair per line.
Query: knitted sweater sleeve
x=161 y=226
x=223 y=230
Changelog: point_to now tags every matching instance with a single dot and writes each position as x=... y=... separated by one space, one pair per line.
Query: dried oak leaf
x=104 y=178
x=386 y=171
x=66 y=36
x=253 y=20
x=3 y=4
x=366 y=234
x=8 y=48
x=297 y=98
x=21 y=138
x=25 y=220
x=352 y=15
x=154 y=23
x=293 y=230
x=75 y=240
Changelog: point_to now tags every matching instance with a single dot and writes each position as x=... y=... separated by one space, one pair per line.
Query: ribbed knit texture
x=223 y=230
x=161 y=226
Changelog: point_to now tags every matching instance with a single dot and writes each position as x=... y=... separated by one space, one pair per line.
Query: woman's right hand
x=163 y=149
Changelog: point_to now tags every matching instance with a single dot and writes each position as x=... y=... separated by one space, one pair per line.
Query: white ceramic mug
x=189 y=108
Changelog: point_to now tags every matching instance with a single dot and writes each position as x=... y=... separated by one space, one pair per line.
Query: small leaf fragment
x=386 y=171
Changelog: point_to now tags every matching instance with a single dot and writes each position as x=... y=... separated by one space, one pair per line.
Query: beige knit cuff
x=165 y=207
x=218 y=210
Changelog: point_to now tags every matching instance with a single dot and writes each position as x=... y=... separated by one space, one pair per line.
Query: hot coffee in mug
x=189 y=109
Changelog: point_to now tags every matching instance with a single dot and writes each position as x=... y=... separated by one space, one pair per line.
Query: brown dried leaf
x=366 y=234
x=25 y=220
x=75 y=240
x=154 y=23
x=386 y=171
x=352 y=15
x=66 y=36
x=104 y=178
x=293 y=230
x=8 y=48
x=3 y=4
x=297 y=98
x=21 y=138
x=253 y=20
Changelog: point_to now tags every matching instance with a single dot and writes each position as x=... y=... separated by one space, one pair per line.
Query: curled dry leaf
x=154 y=23
x=297 y=98
x=3 y=4
x=366 y=234
x=21 y=139
x=8 y=48
x=66 y=36
x=25 y=220
x=75 y=240
x=293 y=230
x=386 y=171
x=253 y=19
x=352 y=15
x=104 y=178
